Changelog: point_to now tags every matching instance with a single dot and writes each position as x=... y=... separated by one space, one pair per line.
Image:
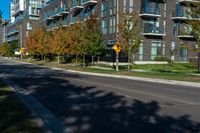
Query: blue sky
x=4 y=7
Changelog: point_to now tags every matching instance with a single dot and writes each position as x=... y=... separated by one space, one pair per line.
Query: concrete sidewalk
x=153 y=80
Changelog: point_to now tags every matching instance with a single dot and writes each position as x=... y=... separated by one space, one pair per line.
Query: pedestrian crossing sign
x=117 y=48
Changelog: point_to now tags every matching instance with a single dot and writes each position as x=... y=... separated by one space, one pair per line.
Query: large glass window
x=173 y=51
x=141 y=51
x=29 y=26
x=104 y=26
x=183 y=54
x=156 y=49
x=104 y=8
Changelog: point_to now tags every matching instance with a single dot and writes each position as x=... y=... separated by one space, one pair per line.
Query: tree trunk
x=84 y=61
x=129 y=60
x=30 y=57
x=42 y=57
x=98 y=59
x=58 y=58
x=92 y=60
x=76 y=59
x=199 y=62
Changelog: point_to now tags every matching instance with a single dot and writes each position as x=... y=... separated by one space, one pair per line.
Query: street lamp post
x=21 y=44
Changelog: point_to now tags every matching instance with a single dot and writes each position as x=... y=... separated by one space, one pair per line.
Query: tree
x=12 y=47
x=94 y=36
x=42 y=39
x=8 y=49
x=195 y=24
x=74 y=40
x=81 y=40
x=130 y=34
x=38 y=42
x=4 y=48
x=60 y=42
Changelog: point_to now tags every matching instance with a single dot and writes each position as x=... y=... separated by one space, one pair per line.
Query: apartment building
x=164 y=31
x=2 y=33
x=24 y=17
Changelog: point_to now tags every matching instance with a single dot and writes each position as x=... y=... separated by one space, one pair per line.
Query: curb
x=152 y=80
x=44 y=118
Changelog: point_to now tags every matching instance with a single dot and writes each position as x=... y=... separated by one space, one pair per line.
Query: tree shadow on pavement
x=94 y=109
x=88 y=109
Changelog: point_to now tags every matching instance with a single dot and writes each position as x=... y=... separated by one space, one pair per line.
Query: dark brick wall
x=166 y=16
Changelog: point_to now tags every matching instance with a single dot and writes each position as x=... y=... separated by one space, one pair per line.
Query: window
x=104 y=26
x=131 y=5
x=156 y=49
x=29 y=26
x=125 y=5
x=163 y=48
x=183 y=54
x=104 y=8
x=173 y=50
x=141 y=51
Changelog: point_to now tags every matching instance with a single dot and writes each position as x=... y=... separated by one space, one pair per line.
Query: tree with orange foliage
x=38 y=42
x=60 y=42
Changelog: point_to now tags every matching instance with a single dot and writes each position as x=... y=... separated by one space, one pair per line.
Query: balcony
x=16 y=13
x=10 y=39
x=54 y=26
x=14 y=31
x=185 y=34
x=89 y=15
x=150 y=12
x=76 y=6
x=47 y=17
x=34 y=14
x=57 y=13
x=187 y=1
x=88 y=2
x=150 y=30
x=182 y=15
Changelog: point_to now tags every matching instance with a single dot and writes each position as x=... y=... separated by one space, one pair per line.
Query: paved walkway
x=153 y=80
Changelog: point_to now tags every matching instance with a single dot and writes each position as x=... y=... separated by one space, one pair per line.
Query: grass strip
x=14 y=117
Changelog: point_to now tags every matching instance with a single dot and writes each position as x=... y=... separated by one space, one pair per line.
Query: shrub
x=162 y=58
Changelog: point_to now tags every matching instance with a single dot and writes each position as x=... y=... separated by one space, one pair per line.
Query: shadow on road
x=88 y=109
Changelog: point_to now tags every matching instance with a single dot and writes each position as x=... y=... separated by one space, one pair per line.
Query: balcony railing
x=17 y=12
x=88 y=2
x=153 y=30
x=11 y=32
x=185 y=34
x=57 y=13
x=183 y=15
x=48 y=3
x=150 y=12
x=187 y=1
x=10 y=39
x=76 y=5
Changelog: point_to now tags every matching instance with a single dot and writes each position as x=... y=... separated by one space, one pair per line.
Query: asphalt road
x=92 y=104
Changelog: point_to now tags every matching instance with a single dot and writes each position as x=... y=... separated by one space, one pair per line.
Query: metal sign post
x=117 y=61
x=199 y=62
x=117 y=49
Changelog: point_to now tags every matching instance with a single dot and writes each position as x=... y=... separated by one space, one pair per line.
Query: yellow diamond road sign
x=22 y=50
x=117 y=48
